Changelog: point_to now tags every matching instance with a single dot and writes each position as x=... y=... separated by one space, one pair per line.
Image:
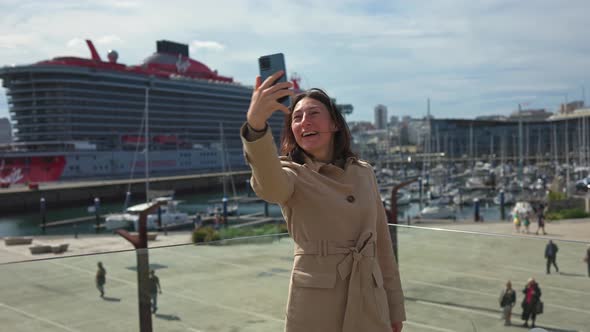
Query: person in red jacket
x=530 y=303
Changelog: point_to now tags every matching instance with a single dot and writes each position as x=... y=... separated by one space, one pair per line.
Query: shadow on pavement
x=167 y=317
x=111 y=299
x=498 y=312
x=515 y=314
x=553 y=329
x=572 y=274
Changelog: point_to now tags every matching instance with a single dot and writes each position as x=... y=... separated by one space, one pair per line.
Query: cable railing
x=452 y=281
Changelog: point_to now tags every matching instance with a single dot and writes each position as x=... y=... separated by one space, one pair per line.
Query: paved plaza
x=451 y=280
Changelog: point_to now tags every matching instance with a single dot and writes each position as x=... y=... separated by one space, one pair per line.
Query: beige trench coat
x=344 y=277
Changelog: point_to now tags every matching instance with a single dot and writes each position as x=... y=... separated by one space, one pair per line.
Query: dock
x=73 y=221
x=237 y=199
x=20 y=199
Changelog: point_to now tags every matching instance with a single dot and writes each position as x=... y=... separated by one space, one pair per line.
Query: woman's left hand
x=397 y=326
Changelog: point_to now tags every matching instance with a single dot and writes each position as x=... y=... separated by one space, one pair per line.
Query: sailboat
x=231 y=203
x=168 y=214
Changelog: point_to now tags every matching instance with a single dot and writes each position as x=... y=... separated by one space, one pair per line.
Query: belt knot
x=356 y=255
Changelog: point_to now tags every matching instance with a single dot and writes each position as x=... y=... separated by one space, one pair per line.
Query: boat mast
x=147 y=146
x=222 y=153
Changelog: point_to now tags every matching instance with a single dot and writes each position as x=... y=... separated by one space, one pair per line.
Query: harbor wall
x=21 y=199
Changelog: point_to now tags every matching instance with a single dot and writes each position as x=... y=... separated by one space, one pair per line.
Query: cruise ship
x=85 y=118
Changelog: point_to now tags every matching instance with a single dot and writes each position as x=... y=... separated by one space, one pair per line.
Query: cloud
x=460 y=53
x=124 y=4
x=110 y=39
x=206 y=45
x=75 y=42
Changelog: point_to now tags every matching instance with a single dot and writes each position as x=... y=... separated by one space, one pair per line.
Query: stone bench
x=60 y=249
x=47 y=249
x=15 y=241
x=40 y=249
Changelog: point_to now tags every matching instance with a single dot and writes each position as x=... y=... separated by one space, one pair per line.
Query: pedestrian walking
x=541 y=219
x=345 y=276
x=507 y=301
x=516 y=220
x=154 y=288
x=587 y=259
x=531 y=304
x=551 y=256
x=527 y=221
x=101 y=278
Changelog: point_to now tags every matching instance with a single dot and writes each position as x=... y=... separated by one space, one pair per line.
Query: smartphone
x=270 y=64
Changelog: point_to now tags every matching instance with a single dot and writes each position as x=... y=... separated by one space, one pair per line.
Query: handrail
x=536 y=237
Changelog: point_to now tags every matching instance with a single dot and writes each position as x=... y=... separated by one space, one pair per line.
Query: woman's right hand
x=265 y=100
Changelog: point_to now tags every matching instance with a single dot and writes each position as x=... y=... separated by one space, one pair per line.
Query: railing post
x=143 y=270
x=140 y=243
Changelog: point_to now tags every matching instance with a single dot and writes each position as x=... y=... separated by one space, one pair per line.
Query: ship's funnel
x=113 y=56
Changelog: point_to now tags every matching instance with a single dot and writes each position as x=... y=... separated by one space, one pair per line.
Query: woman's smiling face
x=313 y=128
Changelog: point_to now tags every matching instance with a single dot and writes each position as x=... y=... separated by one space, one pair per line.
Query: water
x=28 y=224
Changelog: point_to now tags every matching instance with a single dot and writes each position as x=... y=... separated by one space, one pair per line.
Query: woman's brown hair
x=342 y=137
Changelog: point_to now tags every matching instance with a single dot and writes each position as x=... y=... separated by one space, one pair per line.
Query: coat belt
x=355 y=251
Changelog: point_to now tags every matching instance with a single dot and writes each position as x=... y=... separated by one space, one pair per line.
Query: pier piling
x=97 y=214
x=476 y=216
x=224 y=201
x=502 y=210
x=43 y=211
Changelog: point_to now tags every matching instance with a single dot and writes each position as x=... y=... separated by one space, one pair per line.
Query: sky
x=470 y=58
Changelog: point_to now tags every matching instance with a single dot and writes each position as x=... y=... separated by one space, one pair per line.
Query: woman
x=507 y=301
x=532 y=296
x=516 y=221
x=527 y=221
x=345 y=277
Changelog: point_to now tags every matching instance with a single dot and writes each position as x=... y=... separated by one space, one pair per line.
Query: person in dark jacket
x=587 y=259
x=540 y=219
x=507 y=301
x=154 y=288
x=551 y=256
x=101 y=278
x=532 y=296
